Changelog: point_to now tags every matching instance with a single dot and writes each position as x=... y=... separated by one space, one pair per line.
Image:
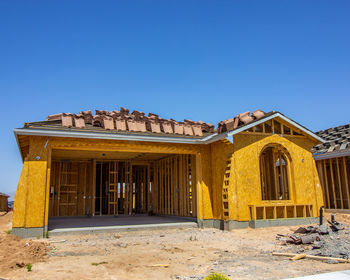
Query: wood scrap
x=298 y=257
x=160 y=265
x=319 y=258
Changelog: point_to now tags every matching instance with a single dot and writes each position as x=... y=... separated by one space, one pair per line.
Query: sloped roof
x=3 y=194
x=337 y=141
x=137 y=122
x=136 y=126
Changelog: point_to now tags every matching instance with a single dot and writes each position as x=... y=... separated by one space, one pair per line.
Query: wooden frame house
x=253 y=170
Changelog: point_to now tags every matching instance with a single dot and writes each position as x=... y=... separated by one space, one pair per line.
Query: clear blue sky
x=203 y=60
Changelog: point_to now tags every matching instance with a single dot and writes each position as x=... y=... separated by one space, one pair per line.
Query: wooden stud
x=333 y=187
x=169 y=184
x=193 y=185
x=84 y=197
x=320 y=172
x=346 y=182
x=339 y=185
x=59 y=188
x=181 y=184
x=264 y=212
x=326 y=183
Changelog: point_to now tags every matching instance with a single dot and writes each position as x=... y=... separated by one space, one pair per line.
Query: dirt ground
x=159 y=254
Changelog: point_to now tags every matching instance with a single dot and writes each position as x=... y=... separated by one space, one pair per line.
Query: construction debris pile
x=328 y=240
x=136 y=121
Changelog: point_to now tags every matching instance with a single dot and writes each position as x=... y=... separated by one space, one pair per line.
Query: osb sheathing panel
x=122 y=146
x=222 y=151
x=30 y=207
x=204 y=184
x=303 y=179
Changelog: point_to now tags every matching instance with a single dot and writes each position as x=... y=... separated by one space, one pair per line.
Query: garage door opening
x=141 y=185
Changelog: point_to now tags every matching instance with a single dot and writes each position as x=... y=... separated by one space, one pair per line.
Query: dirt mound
x=16 y=252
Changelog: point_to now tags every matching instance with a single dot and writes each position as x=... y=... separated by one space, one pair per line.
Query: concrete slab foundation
x=282 y=222
x=102 y=224
x=229 y=225
x=29 y=232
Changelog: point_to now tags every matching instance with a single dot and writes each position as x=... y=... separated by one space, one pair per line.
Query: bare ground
x=167 y=254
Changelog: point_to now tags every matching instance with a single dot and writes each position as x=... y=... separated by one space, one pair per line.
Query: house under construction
x=251 y=170
x=333 y=165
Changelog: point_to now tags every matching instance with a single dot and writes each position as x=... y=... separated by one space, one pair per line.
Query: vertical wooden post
x=168 y=186
x=193 y=185
x=59 y=187
x=181 y=184
x=320 y=172
x=93 y=210
x=161 y=187
x=346 y=182
x=333 y=188
x=339 y=185
x=199 y=186
x=84 y=196
x=101 y=184
x=187 y=186
x=326 y=183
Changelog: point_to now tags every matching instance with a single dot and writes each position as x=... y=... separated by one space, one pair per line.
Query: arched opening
x=274 y=171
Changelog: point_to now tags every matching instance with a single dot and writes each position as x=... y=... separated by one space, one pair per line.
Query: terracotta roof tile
x=120 y=124
x=67 y=120
x=155 y=127
x=167 y=127
x=188 y=130
x=79 y=121
x=178 y=128
x=137 y=121
x=239 y=120
x=108 y=123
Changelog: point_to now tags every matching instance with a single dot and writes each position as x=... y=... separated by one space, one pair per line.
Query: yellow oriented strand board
x=204 y=184
x=19 y=213
x=31 y=196
x=304 y=184
x=122 y=146
x=221 y=151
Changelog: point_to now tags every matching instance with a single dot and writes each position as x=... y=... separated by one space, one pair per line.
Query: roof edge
x=272 y=116
x=98 y=135
x=335 y=154
x=168 y=139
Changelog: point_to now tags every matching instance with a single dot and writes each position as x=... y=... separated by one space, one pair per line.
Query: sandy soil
x=169 y=254
x=16 y=252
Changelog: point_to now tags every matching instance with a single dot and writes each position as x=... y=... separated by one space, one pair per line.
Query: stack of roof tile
x=136 y=121
x=239 y=120
x=337 y=139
